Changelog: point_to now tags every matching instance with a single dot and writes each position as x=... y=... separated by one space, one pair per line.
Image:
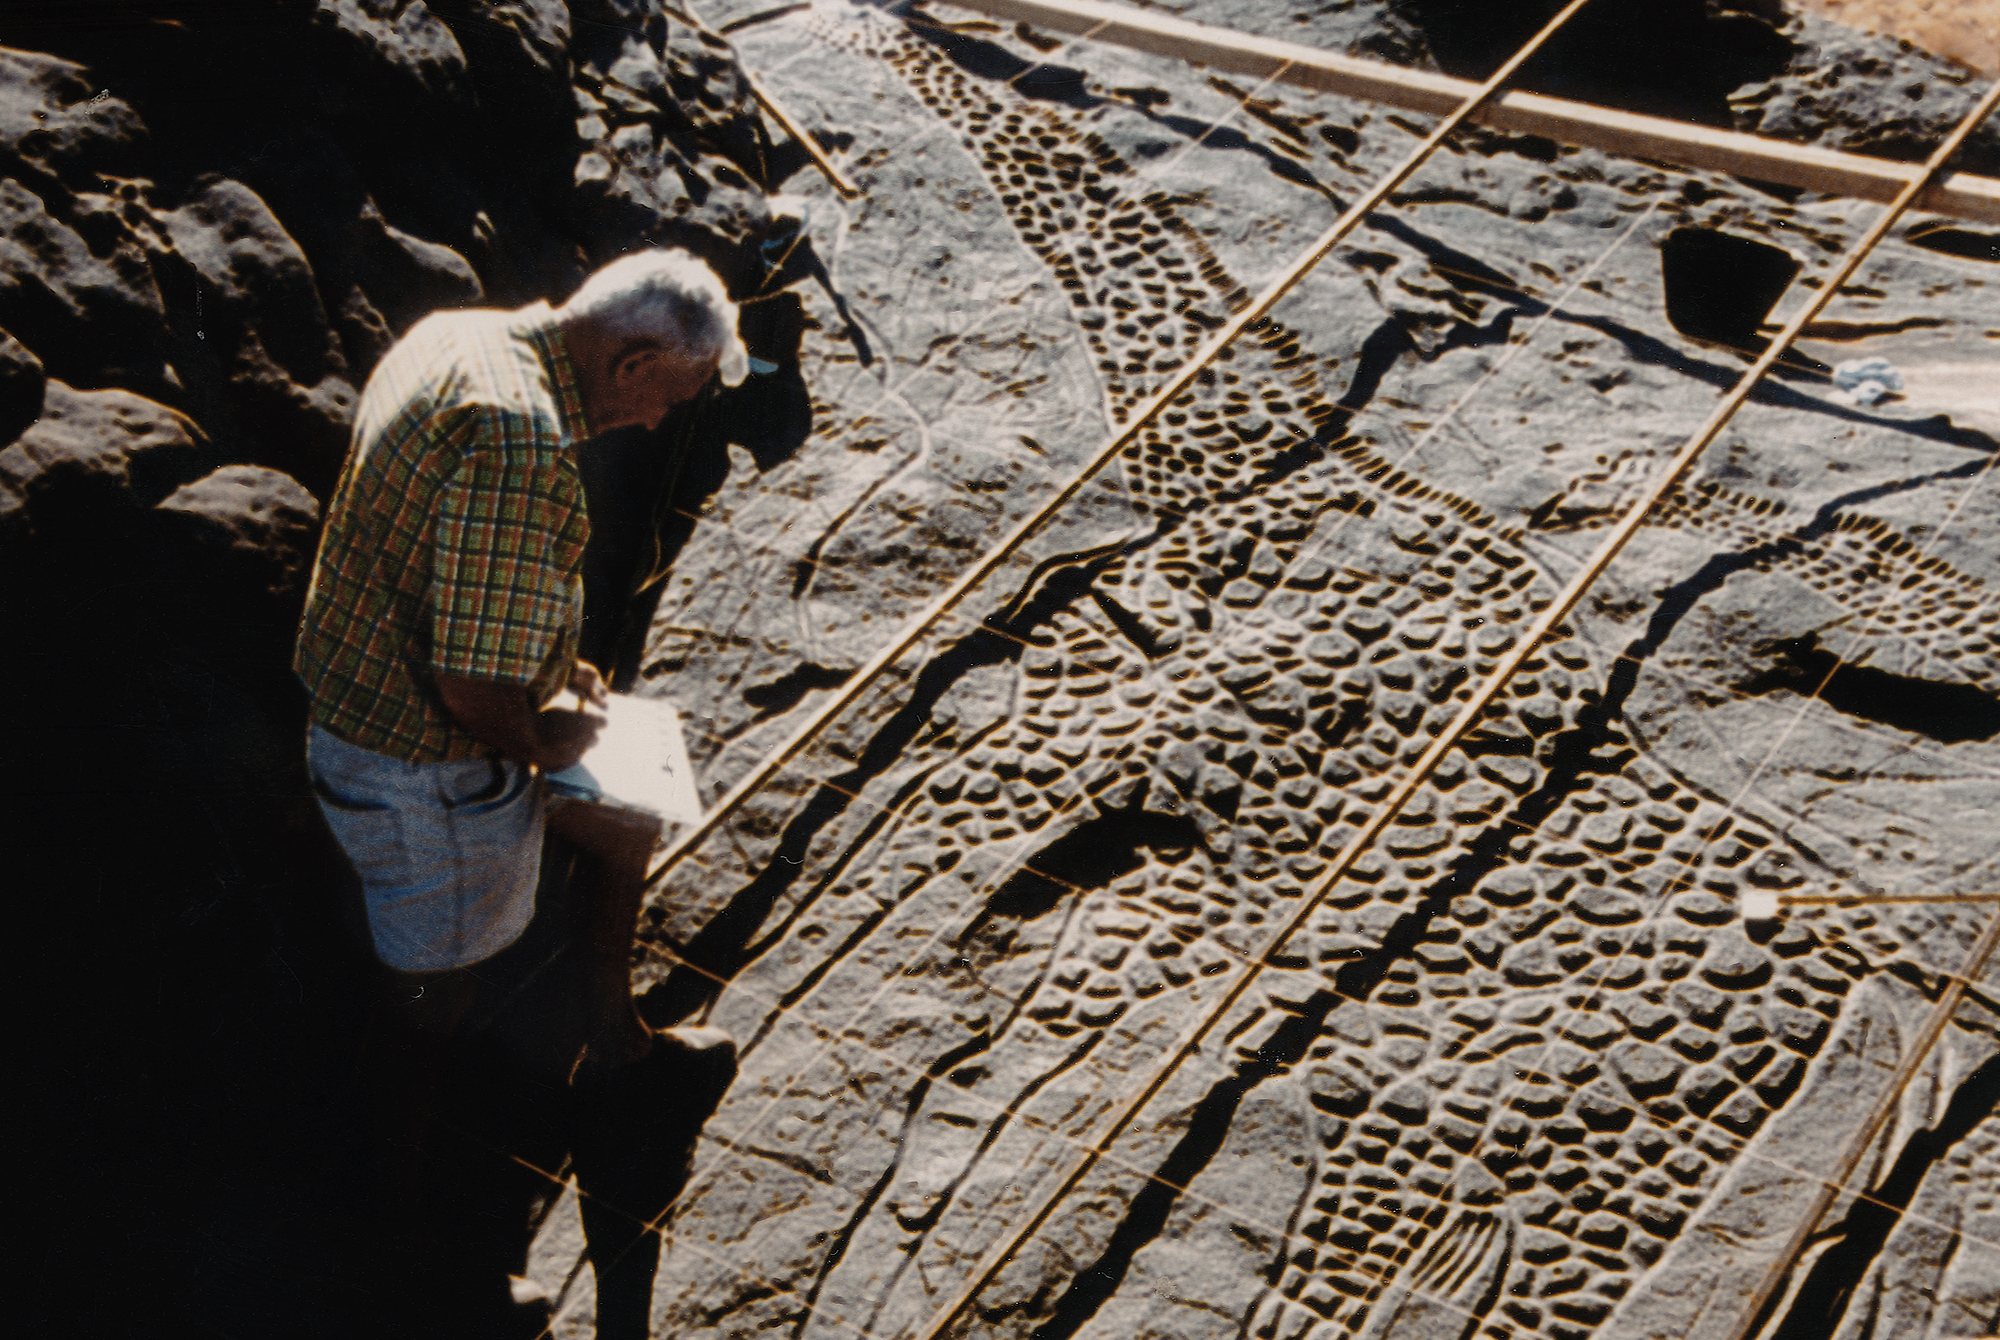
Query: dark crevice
x=1823 y=1299
x=783 y=693
x=1947 y=712
x=1092 y=855
x=1968 y=243
x=763 y=16
x=1130 y=626
x=1867 y=330
x=1379 y=352
x=1464 y=335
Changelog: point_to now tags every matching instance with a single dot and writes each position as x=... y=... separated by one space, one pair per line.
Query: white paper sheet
x=639 y=762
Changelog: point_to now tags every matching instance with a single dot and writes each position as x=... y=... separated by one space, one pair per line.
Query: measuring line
x=1475 y=707
x=1835 y=1184
x=828 y=168
x=1864 y=899
x=1141 y=415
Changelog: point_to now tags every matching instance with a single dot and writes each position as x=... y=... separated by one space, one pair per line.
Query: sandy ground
x=1966 y=30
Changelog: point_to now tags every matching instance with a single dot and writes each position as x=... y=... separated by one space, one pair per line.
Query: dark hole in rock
x=1946 y=712
x=1675 y=58
x=1969 y=243
x=1720 y=287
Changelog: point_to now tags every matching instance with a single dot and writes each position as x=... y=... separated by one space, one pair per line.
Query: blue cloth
x=448 y=853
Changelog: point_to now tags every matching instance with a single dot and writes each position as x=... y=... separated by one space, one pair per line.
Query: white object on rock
x=1868 y=381
x=1760 y=905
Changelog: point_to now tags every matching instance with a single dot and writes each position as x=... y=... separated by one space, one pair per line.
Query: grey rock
x=93 y=313
x=1856 y=91
x=405 y=277
x=259 y=525
x=408 y=44
x=1253 y=636
x=54 y=122
x=670 y=134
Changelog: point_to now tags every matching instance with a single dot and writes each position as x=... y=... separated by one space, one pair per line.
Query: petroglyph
x=1526 y=1061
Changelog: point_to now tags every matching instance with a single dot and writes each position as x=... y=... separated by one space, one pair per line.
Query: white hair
x=671 y=295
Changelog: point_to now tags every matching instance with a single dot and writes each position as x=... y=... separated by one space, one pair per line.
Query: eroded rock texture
x=1525 y=1069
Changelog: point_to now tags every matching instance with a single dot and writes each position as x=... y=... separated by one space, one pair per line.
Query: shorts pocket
x=331 y=798
x=344 y=789
x=369 y=830
x=483 y=786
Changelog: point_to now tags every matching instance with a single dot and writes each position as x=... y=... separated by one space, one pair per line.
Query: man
x=443 y=618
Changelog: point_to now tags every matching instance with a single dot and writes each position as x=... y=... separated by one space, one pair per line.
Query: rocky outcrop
x=1850 y=90
x=1531 y=1067
x=214 y=220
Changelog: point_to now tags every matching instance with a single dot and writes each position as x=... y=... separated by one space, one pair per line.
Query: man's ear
x=635 y=362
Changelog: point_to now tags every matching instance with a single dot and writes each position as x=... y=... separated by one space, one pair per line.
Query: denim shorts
x=448 y=853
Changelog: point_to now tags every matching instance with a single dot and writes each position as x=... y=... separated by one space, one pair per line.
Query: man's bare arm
x=502 y=716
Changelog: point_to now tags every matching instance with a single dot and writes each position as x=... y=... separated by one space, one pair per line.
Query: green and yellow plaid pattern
x=454 y=543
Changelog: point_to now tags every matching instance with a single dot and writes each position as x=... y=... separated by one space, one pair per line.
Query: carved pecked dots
x=1133 y=304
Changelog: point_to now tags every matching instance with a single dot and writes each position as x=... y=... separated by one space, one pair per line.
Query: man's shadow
x=510 y=1130
x=645 y=490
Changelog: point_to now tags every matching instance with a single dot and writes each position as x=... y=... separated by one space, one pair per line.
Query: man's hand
x=564 y=737
x=502 y=715
x=588 y=685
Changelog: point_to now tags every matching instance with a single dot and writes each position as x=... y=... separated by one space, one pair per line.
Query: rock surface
x=1527 y=1064
x=92 y=459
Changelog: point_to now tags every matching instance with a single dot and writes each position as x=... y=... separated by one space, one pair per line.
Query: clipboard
x=639 y=764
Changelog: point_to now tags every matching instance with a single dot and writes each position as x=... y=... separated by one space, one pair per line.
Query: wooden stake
x=833 y=174
x=1677 y=143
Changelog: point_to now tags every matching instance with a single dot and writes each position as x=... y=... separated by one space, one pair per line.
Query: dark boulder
x=21 y=382
x=252 y=338
x=247 y=535
x=92 y=458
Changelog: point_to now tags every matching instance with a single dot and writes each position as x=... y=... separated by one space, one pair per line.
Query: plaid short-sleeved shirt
x=454 y=543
